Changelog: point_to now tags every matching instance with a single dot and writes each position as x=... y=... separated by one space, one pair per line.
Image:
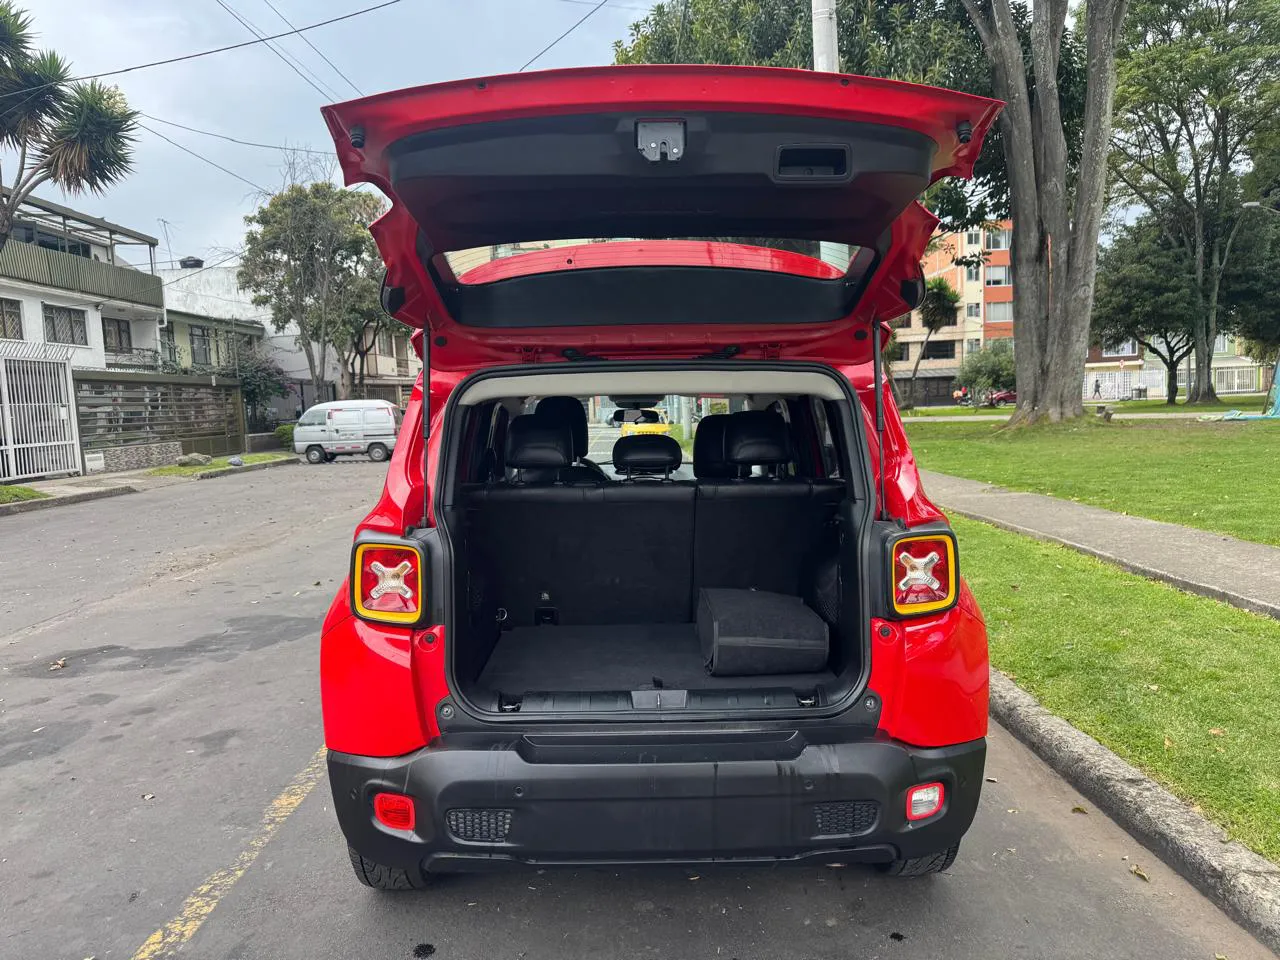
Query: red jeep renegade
x=744 y=642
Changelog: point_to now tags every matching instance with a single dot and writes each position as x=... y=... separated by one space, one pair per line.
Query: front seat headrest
x=757 y=438
x=646 y=453
x=537 y=443
x=570 y=412
x=708 y=449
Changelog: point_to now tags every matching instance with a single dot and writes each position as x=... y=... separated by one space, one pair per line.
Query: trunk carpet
x=612 y=658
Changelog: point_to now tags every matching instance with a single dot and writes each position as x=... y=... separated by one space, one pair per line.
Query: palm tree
x=937 y=310
x=79 y=136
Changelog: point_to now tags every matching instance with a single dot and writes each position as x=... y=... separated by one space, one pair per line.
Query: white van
x=345 y=427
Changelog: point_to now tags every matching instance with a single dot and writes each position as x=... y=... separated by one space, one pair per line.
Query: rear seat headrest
x=646 y=452
x=570 y=412
x=708 y=449
x=537 y=442
x=756 y=438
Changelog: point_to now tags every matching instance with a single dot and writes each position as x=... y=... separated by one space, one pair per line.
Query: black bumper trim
x=634 y=810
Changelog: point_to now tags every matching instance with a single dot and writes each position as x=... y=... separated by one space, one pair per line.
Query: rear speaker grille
x=481 y=825
x=845 y=817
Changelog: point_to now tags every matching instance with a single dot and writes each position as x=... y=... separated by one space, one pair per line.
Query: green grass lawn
x=12 y=494
x=1248 y=402
x=1181 y=686
x=217 y=464
x=1215 y=476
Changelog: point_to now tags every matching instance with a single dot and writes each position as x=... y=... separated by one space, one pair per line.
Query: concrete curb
x=1242 y=883
x=1252 y=604
x=249 y=468
x=26 y=506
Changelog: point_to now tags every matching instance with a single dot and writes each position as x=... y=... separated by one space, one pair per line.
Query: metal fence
x=37 y=414
x=118 y=409
x=1120 y=384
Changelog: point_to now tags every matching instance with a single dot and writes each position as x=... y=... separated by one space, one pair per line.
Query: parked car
x=532 y=664
x=346 y=427
x=637 y=422
x=1000 y=398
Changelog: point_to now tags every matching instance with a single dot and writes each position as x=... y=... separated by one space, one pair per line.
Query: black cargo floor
x=617 y=657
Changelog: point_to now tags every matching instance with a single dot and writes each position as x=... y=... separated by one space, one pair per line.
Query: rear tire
x=377 y=452
x=382 y=877
x=315 y=455
x=921 y=866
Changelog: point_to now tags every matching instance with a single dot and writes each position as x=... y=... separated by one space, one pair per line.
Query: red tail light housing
x=394 y=810
x=387 y=582
x=922 y=573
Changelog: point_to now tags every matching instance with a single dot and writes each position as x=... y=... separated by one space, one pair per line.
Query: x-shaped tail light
x=387 y=582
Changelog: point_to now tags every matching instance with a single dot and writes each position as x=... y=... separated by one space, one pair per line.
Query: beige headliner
x=654 y=383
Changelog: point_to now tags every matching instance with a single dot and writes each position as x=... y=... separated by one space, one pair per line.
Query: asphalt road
x=134 y=782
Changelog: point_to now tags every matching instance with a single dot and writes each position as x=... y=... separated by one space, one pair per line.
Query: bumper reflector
x=924 y=801
x=844 y=818
x=479 y=824
x=394 y=810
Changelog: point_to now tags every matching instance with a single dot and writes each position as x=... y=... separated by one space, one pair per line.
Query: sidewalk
x=1000 y=417
x=1243 y=574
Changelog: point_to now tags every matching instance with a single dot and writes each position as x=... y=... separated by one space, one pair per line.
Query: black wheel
x=385 y=878
x=921 y=866
x=377 y=452
x=315 y=455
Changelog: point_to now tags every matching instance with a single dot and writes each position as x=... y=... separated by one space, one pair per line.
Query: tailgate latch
x=659 y=140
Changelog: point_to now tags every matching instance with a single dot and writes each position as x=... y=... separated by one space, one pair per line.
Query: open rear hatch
x=668 y=211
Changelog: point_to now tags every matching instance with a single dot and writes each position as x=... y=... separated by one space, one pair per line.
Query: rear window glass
x=804 y=257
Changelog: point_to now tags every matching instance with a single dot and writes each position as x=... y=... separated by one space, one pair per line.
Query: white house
x=66 y=279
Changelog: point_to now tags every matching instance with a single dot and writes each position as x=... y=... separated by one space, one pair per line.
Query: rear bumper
x=553 y=800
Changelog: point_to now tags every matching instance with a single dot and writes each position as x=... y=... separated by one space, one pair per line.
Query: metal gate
x=38 y=432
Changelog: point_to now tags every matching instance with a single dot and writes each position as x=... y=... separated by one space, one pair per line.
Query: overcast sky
x=251 y=94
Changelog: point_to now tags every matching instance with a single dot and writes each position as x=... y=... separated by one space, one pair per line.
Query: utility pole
x=826 y=59
x=826 y=52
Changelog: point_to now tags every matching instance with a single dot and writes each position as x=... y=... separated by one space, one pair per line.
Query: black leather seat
x=762 y=531
x=708 y=449
x=584 y=553
x=569 y=412
x=647 y=456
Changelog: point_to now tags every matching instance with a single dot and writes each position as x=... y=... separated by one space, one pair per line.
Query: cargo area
x=726 y=578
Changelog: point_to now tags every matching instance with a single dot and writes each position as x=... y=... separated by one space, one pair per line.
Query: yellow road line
x=198 y=906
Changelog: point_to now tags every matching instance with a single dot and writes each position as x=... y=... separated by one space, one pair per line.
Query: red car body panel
x=930 y=671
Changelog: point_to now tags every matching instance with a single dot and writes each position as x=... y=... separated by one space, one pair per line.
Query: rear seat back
x=763 y=532
x=586 y=553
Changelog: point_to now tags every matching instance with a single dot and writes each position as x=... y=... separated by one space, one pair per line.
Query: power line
x=244 y=143
x=583 y=19
x=198 y=156
x=327 y=93
x=203 y=53
x=359 y=92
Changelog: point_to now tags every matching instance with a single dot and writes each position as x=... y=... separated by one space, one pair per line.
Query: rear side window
x=377 y=418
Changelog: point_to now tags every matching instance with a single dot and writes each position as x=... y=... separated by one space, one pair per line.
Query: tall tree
x=1044 y=164
x=78 y=136
x=937 y=310
x=309 y=256
x=1199 y=82
x=1057 y=217
x=1145 y=293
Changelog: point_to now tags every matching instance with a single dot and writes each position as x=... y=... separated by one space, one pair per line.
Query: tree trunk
x=916 y=369
x=1055 y=238
x=345 y=382
x=1170 y=381
x=317 y=373
x=1201 y=388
